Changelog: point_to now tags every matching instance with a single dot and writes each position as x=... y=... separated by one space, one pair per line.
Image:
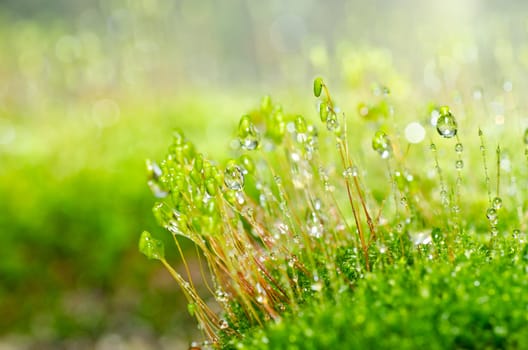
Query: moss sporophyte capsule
x=317 y=86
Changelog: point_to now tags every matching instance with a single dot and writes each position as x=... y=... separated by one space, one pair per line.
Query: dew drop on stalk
x=332 y=124
x=491 y=214
x=351 y=171
x=313 y=224
x=247 y=133
x=381 y=144
x=444 y=197
x=156 y=189
x=446 y=124
x=223 y=324
x=233 y=177
x=459 y=148
x=497 y=203
x=459 y=164
x=317 y=204
x=195 y=346
x=153 y=170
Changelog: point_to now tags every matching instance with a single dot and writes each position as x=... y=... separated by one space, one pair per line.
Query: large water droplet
x=381 y=144
x=248 y=134
x=446 y=124
x=233 y=177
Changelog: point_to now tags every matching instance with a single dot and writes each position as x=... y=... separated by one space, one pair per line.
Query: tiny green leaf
x=318 y=86
x=151 y=247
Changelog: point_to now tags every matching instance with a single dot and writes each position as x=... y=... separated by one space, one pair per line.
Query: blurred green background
x=90 y=89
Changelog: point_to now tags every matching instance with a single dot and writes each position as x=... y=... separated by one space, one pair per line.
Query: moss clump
x=308 y=245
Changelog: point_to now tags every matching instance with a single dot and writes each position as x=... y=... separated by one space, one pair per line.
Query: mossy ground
x=419 y=243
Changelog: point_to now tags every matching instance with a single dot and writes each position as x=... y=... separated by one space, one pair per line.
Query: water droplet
x=381 y=144
x=491 y=214
x=195 y=346
x=331 y=123
x=317 y=286
x=459 y=148
x=446 y=124
x=422 y=238
x=350 y=172
x=233 y=177
x=459 y=164
x=223 y=324
x=444 y=197
x=432 y=147
x=153 y=170
x=221 y=296
x=497 y=203
x=157 y=189
x=317 y=204
x=247 y=134
x=313 y=224
x=292 y=261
